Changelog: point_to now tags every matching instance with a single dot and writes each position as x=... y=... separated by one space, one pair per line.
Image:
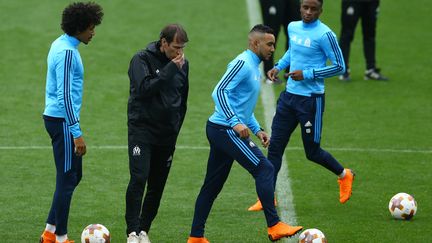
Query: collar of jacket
x=154 y=47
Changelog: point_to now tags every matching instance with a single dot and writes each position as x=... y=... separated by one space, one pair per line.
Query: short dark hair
x=262 y=29
x=321 y=1
x=174 y=30
x=78 y=16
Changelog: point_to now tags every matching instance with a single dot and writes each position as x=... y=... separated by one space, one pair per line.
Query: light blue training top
x=310 y=46
x=64 y=82
x=236 y=94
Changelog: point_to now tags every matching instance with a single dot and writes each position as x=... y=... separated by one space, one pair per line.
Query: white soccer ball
x=403 y=206
x=95 y=233
x=312 y=236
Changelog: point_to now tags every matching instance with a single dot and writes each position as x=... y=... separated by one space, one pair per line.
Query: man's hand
x=80 y=146
x=264 y=137
x=272 y=74
x=179 y=60
x=296 y=75
x=242 y=130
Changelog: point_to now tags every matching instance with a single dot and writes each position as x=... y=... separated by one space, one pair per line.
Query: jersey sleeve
x=333 y=53
x=284 y=62
x=146 y=80
x=64 y=66
x=253 y=124
x=235 y=73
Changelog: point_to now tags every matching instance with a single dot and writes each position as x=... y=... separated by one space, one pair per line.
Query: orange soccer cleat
x=47 y=237
x=281 y=230
x=258 y=206
x=345 y=185
x=197 y=240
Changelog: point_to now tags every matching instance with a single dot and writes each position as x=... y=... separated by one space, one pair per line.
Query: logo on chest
x=300 y=41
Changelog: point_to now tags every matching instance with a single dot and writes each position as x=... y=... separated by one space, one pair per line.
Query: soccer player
x=228 y=133
x=159 y=86
x=63 y=98
x=312 y=43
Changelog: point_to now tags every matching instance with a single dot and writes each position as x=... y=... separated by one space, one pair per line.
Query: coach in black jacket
x=156 y=109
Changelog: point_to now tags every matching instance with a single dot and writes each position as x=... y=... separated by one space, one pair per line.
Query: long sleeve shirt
x=236 y=94
x=64 y=82
x=310 y=46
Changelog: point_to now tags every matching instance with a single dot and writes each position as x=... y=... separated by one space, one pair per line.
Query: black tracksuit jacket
x=157 y=98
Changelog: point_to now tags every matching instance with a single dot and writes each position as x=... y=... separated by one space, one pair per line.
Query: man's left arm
x=333 y=52
x=255 y=127
x=253 y=124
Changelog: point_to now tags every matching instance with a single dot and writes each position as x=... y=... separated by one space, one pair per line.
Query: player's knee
x=314 y=156
x=139 y=179
x=267 y=167
x=275 y=158
x=347 y=37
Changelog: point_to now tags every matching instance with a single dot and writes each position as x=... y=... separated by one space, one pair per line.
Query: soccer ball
x=95 y=233
x=312 y=236
x=403 y=206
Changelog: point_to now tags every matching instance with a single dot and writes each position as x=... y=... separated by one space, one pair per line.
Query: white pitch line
x=115 y=147
x=283 y=184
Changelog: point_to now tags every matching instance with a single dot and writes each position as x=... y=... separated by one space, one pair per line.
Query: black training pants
x=148 y=165
x=351 y=13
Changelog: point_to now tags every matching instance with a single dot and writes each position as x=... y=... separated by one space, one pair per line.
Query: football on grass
x=95 y=233
x=312 y=236
x=403 y=206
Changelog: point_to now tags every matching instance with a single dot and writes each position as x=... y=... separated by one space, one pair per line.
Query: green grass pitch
x=382 y=130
